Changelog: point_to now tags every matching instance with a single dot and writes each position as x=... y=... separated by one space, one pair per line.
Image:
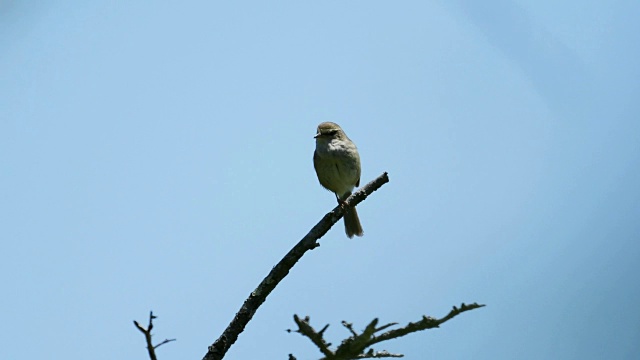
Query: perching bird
x=337 y=165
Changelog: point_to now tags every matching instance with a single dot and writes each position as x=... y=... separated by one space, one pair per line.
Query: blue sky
x=159 y=158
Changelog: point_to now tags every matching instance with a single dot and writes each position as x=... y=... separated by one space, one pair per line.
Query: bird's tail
x=352 y=222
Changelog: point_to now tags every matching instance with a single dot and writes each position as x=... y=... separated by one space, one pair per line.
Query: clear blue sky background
x=157 y=156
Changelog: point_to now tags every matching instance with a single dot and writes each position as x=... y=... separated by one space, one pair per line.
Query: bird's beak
x=316 y=136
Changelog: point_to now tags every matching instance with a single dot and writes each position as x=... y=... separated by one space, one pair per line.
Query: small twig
x=321 y=332
x=316 y=337
x=385 y=326
x=378 y=354
x=163 y=342
x=147 y=335
x=220 y=347
x=349 y=327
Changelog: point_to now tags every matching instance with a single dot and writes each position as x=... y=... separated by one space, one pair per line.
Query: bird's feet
x=342 y=203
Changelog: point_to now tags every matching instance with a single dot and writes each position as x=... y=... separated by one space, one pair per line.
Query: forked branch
x=147 y=335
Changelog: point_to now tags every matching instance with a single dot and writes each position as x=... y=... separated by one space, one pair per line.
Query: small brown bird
x=337 y=165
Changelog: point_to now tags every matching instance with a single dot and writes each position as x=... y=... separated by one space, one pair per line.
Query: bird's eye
x=332 y=132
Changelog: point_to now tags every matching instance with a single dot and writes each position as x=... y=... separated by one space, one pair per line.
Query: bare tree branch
x=220 y=347
x=354 y=346
x=426 y=323
x=147 y=335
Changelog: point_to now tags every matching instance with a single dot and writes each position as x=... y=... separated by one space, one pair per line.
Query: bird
x=337 y=164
